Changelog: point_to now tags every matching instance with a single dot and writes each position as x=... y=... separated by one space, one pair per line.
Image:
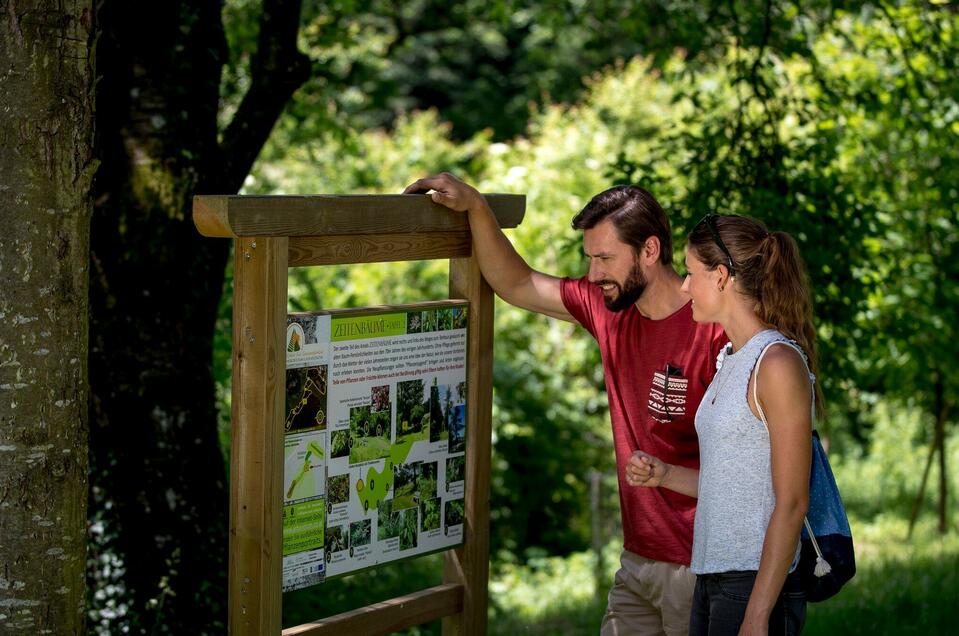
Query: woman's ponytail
x=784 y=296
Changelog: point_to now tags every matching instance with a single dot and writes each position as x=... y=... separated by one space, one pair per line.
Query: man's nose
x=595 y=273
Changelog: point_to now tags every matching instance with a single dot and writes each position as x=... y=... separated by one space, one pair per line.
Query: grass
x=551 y=595
x=901 y=587
x=358 y=590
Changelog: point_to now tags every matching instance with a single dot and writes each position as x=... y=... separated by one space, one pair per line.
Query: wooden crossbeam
x=389 y=616
x=333 y=215
x=337 y=250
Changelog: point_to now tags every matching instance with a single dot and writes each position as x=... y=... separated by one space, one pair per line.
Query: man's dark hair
x=636 y=215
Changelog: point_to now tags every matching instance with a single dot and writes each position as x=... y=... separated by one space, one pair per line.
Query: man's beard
x=629 y=292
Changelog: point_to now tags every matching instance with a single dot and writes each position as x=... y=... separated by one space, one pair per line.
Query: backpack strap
x=822 y=566
x=812 y=379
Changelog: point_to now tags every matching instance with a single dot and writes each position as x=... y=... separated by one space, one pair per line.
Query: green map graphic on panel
x=308 y=480
x=378 y=483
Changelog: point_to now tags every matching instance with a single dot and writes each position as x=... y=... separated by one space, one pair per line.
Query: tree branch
x=277 y=70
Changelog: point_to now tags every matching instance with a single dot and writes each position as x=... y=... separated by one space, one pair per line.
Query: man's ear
x=651 y=250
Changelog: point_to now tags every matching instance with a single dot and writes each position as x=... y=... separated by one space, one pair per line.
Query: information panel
x=375 y=437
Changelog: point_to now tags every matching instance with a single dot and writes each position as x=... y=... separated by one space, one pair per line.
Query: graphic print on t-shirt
x=667 y=394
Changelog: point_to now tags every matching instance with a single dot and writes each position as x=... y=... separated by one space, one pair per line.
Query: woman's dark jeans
x=719 y=605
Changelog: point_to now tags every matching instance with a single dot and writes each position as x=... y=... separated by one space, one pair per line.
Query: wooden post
x=256 y=465
x=469 y=563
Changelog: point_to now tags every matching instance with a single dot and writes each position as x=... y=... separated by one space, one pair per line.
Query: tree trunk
x=917 y=504
x=46 y=165
x=159 y=485
x=940 y=436
x=159 y=481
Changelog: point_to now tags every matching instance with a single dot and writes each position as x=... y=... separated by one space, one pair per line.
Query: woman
x=753 y=479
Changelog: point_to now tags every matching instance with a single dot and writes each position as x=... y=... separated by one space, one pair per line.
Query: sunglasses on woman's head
x=710 y=221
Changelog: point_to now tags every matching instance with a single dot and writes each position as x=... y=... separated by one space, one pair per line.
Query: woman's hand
x=643 y=469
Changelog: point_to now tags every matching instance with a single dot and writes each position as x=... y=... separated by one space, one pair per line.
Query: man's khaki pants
x=649 y=597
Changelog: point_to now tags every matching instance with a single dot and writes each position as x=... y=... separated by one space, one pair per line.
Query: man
x=657 y=365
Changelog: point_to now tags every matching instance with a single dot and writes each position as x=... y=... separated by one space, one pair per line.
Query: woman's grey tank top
x=736 y=497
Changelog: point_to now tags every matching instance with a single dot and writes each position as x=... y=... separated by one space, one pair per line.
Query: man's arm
x=505 y=270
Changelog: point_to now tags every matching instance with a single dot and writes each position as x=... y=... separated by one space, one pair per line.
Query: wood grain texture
x=210 y=216
x=343 y=249
x=469 y=563
x=323 y=214
x=389 y=616
x=381 y=309
x=256 y=467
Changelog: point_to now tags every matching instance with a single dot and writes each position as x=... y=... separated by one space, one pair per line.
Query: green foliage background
x=837 y=124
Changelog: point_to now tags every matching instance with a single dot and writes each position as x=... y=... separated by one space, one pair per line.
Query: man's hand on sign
x=448 y=191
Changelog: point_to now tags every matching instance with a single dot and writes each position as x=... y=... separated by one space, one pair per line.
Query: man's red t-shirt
x=656 y=373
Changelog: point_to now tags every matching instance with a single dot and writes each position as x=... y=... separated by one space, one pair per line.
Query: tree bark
x=159 y=480
x=46 y=166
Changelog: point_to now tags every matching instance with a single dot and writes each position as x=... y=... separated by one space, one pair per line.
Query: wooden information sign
x=272 y=234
